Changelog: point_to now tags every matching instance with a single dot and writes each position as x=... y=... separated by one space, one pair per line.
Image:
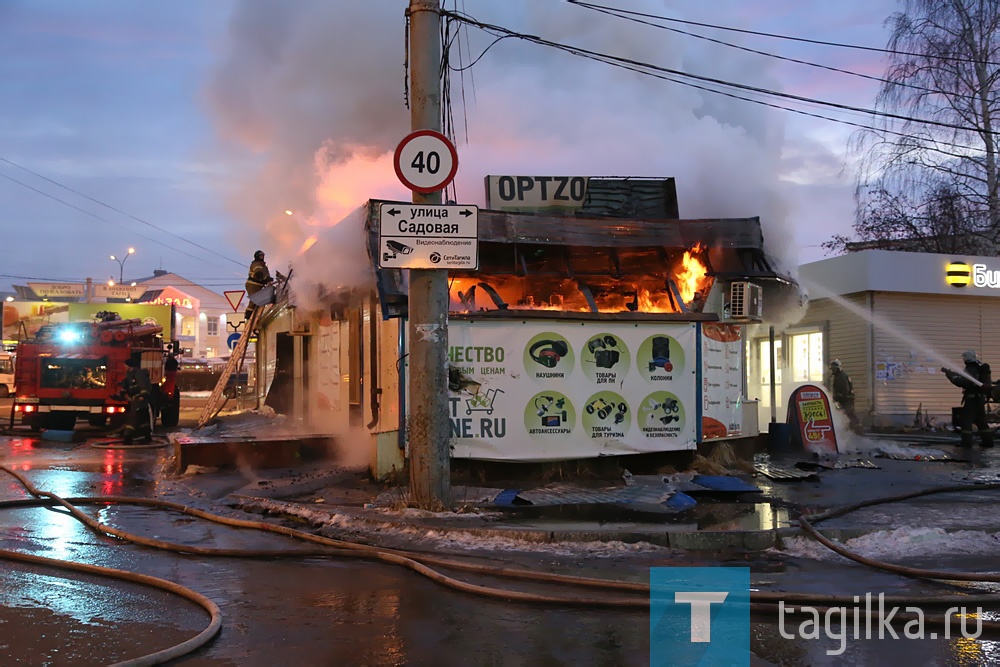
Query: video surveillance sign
x=418 y=236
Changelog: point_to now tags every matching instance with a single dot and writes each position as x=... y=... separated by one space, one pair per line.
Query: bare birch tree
x=944 y=67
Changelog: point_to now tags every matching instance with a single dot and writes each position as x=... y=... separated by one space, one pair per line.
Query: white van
x=6 y=374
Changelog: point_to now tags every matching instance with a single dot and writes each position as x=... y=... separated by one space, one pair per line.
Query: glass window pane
x=816 y=357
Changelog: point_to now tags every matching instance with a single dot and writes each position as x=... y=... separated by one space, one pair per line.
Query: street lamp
x=121 y=264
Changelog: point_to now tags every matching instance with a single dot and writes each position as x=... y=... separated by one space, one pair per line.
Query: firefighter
x=843 y=393
x=138 y=388
x=258 y=278
x=976 y=383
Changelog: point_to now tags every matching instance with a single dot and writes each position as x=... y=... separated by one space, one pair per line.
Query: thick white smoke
x=311 y=93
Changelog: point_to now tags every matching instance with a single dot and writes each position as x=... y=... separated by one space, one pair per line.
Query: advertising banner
x=87 y=312
x=553 y=390
x=721 y=380
x=25 y=318
x=811 y=419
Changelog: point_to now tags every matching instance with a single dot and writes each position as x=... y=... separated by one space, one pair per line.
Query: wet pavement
x=324 y=611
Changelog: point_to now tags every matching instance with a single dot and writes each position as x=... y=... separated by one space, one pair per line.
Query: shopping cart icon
x=482 y=402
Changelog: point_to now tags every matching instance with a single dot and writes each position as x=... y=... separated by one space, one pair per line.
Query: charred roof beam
x=588 y=295
x=497 y=300
x=615 y=262
x=675 y=296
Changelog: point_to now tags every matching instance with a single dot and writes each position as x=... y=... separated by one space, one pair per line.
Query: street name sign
x=425 y=161
x=418 y=236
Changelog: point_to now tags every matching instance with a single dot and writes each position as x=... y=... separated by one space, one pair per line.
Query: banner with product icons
x=551 y=390
x=721 y=380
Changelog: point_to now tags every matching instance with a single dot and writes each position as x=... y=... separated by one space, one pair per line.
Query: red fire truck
x=74 y=370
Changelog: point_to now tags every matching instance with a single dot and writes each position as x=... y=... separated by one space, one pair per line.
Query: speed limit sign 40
x=425 y=161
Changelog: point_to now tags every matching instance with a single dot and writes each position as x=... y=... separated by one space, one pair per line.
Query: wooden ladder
x=216 y=400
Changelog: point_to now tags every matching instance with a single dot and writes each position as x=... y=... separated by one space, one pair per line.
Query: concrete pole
x=429 y=428
x=89 y=290
x=774 y=369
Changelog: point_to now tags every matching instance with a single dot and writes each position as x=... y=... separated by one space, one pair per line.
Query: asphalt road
x=190 y=410
x=325 y=611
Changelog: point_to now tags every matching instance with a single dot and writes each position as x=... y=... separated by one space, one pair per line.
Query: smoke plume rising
x=311 y=95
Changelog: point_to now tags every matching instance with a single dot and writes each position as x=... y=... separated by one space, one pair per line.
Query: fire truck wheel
x=97 y=421
x=4 y=391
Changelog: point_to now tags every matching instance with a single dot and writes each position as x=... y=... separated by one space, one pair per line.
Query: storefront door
x=761 y=367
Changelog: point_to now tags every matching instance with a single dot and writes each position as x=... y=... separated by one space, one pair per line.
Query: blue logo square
x=699 y=616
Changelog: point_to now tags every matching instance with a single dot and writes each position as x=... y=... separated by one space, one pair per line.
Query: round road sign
x=425 y=161
x=232 y=340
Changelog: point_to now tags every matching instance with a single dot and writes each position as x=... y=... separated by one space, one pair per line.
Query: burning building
x=578 y=336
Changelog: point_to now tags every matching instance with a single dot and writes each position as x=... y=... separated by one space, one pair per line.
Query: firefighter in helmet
x=138 y=388
x=976 y=383
x=843 y=393
x=258 y=278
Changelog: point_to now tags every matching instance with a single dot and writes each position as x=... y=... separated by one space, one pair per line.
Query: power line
x=638 y=67
x=705 y=79
x=94 y=215
x=617 y=14
x=772 y=35
x=117 y=210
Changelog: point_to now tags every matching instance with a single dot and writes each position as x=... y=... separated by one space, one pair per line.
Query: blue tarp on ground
x=723 y=483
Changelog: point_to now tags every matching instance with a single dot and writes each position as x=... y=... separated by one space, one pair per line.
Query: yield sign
x=235 y=298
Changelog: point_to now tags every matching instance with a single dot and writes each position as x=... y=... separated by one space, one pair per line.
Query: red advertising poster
x=811 y=419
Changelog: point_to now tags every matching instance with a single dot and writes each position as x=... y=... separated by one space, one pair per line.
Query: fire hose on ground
x=637 y=598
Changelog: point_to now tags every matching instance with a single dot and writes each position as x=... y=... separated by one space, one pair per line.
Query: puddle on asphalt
x=706 y=515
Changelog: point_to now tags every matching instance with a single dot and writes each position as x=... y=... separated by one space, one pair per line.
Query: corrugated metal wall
x=846 y=336
x=929 y=327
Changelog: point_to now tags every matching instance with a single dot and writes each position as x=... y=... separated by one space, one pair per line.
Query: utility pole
x=89 y=290
x=429 y=427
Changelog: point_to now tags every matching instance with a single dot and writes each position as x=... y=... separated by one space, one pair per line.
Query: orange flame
x=691 y=274
x=308 y=243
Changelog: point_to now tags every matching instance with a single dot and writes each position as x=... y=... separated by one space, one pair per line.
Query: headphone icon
x=548 y=352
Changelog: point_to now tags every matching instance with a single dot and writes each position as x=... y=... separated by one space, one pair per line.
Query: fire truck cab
x=75 y=370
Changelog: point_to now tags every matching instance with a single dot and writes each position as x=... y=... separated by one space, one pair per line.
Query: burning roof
x=541 y=262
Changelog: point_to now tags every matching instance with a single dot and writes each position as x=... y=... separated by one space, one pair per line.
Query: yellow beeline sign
x=958 y=274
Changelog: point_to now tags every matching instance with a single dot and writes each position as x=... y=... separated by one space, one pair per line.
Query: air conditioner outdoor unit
x=302 y=324
x=745 y=302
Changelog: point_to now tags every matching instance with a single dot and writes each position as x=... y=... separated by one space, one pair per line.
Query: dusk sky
x=208 y=119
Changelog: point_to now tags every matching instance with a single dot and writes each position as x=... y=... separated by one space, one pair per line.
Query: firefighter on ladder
x=137 y=386
x=258 y=278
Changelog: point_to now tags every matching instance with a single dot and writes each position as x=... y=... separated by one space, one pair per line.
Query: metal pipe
x=774 y=404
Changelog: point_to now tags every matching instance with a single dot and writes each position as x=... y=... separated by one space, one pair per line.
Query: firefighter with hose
x=976 y=383
x=138 y=388
x=843 y=393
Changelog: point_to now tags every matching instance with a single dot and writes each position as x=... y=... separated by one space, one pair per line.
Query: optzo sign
x=535 y=193
x=960 y=274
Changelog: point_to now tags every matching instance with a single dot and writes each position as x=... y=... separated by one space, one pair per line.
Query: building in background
x=893 y=319
x=202 y=316
x=204 y=320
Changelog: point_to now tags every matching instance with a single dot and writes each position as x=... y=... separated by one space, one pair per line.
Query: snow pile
x=900 y=543
x=461 y=538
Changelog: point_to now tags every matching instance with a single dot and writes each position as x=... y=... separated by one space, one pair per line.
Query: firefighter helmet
x=969 y=355
x=835 y=364
x=259 y=255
